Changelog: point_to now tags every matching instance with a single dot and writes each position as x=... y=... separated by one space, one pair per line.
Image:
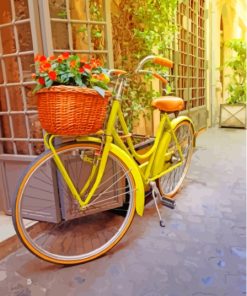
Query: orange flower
x=36 y=58
x=96 y=76
x=45 y=67
x=52 y=58
x=39 y=58
x=83 y=60
x=102 y=76
x=73 y=64
x=52 y=75
x=33 y=75
x=95 y=63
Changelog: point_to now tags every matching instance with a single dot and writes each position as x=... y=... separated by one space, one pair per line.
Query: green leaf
x=37 y=88
x=99 y=90
x=48 y=82
x=78 y=81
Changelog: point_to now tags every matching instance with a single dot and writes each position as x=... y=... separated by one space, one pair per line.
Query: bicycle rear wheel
x=170 y=183
x=58 y=230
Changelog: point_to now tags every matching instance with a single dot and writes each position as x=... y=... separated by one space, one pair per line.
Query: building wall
x=227 y=20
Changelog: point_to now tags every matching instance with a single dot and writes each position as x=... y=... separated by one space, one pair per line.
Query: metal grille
x=64 y=25
x=189 y=54
x=80 y=27
x=20 y=131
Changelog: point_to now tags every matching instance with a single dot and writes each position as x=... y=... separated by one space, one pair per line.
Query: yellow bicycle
x=82 y=195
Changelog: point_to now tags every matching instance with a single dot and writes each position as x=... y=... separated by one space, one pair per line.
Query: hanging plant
x=141 y=28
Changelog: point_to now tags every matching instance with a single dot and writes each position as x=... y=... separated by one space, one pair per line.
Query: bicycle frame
x=154 y=158
x=156 y=162
x=149 y=168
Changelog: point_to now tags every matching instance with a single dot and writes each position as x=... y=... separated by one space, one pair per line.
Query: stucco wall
x=234 y=21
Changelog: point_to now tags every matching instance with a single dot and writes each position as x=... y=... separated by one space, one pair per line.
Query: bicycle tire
x=78 y=235
x=170 y=183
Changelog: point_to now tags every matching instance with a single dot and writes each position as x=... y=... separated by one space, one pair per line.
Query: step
x=9 y=242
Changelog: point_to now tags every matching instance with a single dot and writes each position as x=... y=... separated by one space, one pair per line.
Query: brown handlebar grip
x=163 y=62
x=118 y=72
x=160 y=78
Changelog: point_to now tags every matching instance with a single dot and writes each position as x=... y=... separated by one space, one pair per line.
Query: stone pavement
x=201 y=252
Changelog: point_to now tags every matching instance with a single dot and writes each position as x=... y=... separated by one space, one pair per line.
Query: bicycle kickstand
x=156 y=194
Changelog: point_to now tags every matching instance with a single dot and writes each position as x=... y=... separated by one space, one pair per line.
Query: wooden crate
x=233 y=115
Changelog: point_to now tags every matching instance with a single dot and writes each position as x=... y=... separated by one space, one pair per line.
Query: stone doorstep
x=13 y=243
x=9 y=246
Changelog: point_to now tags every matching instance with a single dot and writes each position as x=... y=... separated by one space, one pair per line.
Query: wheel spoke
x=170 y=183
x=77 y=234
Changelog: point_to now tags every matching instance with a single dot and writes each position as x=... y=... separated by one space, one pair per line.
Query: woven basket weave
x=71 y=110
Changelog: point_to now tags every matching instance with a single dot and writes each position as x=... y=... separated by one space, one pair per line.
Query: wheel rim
x=81 y=235
x=171 y=182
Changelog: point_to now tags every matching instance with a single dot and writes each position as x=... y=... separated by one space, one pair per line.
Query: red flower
x=87 y=67
x=41 y=80
x=52 y=75
x=42 y=59
x=65 y=55
x=81 y=70
x=47 y=65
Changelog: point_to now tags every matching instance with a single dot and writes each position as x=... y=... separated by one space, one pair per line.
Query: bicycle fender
x=179 y=119
x=140 y=193
x=164 y=143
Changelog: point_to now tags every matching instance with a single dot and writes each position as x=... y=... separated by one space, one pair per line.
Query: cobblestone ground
x=201 y=252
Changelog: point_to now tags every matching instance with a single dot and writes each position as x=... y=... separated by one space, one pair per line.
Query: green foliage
x=62 y=14
x=147 y=27
x=157 y=27
x=237 y=84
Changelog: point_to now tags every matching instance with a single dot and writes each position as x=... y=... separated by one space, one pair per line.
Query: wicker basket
x=71 y=110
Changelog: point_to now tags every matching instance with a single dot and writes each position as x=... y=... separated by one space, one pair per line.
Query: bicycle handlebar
x=163 y=62
x=156 y=60
x=151 y=58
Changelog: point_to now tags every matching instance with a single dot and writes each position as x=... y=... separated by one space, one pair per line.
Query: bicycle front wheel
x=170 y=183
x=49 y=221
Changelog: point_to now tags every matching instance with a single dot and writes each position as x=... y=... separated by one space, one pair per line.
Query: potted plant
x=72 y=94
x=233 y=113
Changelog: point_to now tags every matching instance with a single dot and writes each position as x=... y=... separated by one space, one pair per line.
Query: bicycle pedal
x=170 y=203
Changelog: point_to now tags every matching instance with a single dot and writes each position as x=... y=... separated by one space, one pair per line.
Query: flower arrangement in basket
x=72 y=94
